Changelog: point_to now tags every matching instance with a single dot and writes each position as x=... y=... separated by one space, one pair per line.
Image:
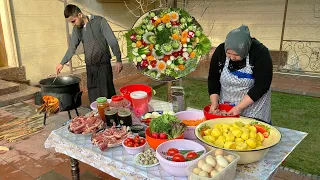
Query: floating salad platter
x=166 y=44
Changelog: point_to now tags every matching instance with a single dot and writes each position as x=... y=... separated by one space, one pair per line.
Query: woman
x=240 y=74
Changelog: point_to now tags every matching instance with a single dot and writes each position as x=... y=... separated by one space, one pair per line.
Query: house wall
x=41 y=31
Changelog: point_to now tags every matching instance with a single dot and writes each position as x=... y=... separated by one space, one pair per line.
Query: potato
x=200 y=163
x=218 y=152
x=207 y=168
x=203 y=174
x=196 y=171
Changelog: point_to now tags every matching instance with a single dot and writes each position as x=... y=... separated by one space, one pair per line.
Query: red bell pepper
x=262 y=130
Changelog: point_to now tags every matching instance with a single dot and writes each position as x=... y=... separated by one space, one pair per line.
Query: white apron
x=235 y=85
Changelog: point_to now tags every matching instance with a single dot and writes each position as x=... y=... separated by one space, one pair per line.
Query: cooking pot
x=63 y=84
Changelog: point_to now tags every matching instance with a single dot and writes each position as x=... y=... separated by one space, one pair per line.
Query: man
x=96 y=35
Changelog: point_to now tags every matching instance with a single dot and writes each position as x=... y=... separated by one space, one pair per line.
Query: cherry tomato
x=192 y=155
x=130 y=139
x=136 y=145
x=142 y=141
x=172 y=151
x=130 y=144
x=178 y=158
x=136 y=141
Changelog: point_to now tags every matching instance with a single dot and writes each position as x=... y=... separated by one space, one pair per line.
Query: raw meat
x=110 y=137
x=85 y=125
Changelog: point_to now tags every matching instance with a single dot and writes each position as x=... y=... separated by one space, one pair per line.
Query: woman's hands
x=214 y=98
x=245 y=102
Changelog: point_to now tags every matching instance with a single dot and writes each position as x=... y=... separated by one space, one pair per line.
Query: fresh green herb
x=163 y=36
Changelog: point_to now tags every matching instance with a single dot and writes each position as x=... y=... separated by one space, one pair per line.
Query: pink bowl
x=134 y=150
x=177 y=168
x=190 y=115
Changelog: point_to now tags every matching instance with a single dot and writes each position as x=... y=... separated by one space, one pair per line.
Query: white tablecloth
x=118 y=163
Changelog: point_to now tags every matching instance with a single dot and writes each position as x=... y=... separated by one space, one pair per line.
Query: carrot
x=165 y=18
x=192 y=54
x=151 y=46
x=150 y=58
x=175 y=36
x=181 y=67
x=183 y=40
x=184 y=34
x=138 y=44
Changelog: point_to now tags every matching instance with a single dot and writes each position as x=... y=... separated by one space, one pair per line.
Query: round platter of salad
x=166 y=44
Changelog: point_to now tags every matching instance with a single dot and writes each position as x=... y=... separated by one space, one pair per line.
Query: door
x=3 y=54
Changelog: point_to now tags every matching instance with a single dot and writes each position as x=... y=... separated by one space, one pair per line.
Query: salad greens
x=168 y=124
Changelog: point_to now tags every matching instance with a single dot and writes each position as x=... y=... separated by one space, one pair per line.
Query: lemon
x=222 y=138
x=219 y=143
x=241 y=146
x=245 y=135
x=253 y=134
x=261 y=137
x=230 y=145
x=251 y=143
x=239 y=140
x=207 y=132
x=237 y=133
x=215 y=132
x=230 y=137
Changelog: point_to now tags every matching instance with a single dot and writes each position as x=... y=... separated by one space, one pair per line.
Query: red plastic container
x=225 y=107
x=126 y=90
x=154 y=143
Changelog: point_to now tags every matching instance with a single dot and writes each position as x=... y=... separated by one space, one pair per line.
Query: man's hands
x=59 y=67
x=119 y=67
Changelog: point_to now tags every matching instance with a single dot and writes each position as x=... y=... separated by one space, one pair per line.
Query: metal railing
x=300 y=57
x=78 y=61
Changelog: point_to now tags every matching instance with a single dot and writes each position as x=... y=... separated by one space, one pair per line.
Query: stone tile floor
x=28 y=159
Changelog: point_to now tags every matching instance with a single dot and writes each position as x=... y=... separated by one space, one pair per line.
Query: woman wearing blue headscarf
x=240 y=74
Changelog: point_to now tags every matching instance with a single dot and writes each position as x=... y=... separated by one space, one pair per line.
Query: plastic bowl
x=190 y=115
x=225 y=107
x=246 y=156
x=134 y=150
x=126 y=90
x=154 y=143
x=177 y=168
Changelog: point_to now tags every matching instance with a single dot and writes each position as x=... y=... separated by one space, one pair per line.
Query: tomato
x=172 y=151
x=130 y=144
x=136 y=145
x=137 y=137
x=178 y=158
x=192 y=155
x=136 y=141
x=142 y=141
x=130 y=139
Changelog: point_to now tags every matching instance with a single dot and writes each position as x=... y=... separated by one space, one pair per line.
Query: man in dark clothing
x=96 y=35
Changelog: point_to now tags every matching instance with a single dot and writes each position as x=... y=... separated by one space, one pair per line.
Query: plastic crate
x=228 y=172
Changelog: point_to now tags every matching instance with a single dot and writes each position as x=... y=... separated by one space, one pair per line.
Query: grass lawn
x=289 y=111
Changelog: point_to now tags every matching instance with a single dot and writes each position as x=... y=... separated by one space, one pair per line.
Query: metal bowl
x=246 y=156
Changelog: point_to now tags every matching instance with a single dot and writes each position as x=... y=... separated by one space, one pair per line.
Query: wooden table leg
x=74 y=169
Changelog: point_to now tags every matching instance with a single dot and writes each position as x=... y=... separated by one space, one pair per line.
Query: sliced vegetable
x=172 y=151
x=178 y=158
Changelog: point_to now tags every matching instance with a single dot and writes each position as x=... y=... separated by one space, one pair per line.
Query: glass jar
x=124 y=117
x=111 y=117
x=102 y=105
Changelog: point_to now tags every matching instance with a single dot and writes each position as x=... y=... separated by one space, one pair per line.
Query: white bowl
x=177 y=168
x=246 y=156
x=135 y=150
x=190 y=115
